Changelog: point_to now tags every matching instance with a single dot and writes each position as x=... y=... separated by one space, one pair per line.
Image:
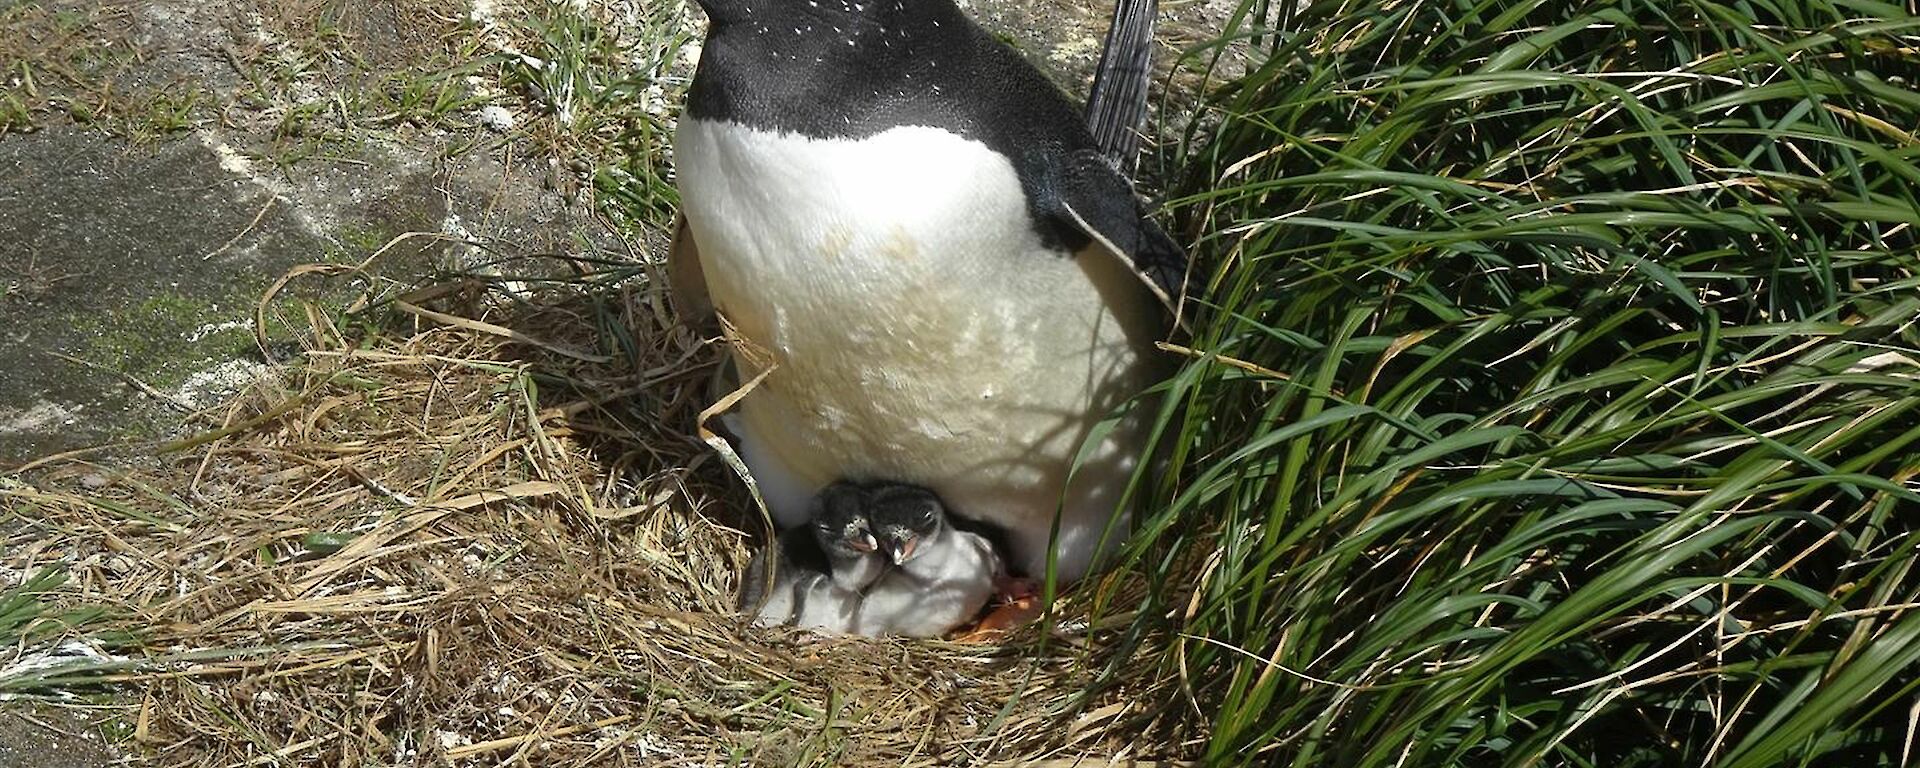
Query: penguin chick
x=773 y=598
x=840 y=524
x=824 y=565
x=942 y=575
x=820 y=604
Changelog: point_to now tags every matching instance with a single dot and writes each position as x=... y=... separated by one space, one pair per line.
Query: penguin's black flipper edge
x=1100 y=202
x=687 y=281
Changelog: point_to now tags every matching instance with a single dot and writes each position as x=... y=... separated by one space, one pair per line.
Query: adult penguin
x=918 y=240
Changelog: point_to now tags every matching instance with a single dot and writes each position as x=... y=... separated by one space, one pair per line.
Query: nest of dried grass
x=482 y=531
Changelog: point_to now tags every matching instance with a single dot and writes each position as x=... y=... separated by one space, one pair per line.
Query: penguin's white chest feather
x=918 y=330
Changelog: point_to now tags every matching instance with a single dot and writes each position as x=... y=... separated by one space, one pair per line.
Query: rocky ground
x=163 y=162
x=134 y=243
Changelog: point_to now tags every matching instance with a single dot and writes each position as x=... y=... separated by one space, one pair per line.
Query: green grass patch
x=62 y=60
x=1558 y=398
x=608 y=95
x=33 y=625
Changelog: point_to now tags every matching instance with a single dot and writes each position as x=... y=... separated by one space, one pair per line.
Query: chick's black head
x=903 y=518
x=840 y=521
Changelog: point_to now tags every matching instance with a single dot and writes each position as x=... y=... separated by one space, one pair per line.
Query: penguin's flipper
x=1100 y=202
x=687 y=281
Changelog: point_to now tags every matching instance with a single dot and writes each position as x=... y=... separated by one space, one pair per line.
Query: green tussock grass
x=609 y=93
x=1557 y=399
x=33 y=629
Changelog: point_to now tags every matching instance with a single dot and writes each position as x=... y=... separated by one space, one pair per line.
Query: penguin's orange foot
x=1010 y=589
x=1003 y=619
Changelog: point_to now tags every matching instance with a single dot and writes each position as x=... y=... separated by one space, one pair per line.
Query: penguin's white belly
x=917 y=329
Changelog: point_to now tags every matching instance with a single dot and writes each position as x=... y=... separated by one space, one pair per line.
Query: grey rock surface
x=114 y=255
x=145 y=262
x=130 y=264
x=45 y=737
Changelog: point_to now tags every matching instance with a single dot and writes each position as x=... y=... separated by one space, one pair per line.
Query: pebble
x=496 y=118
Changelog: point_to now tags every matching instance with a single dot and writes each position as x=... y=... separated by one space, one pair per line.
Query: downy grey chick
x=824 y=566
x=840 y=523
x=942 y=575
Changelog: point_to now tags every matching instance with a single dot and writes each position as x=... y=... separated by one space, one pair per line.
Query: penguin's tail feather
x=1117 y=105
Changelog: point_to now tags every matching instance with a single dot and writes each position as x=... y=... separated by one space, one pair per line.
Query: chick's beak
x=903 y=551
x=864 y=543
